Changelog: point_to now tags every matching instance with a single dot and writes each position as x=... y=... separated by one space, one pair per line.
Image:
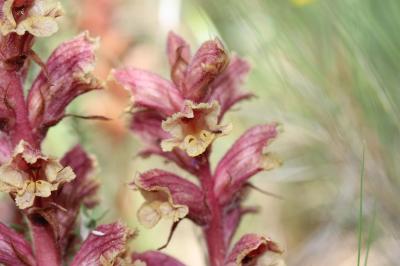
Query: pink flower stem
x=214 y=232
x=44 y=242
x=22 y=129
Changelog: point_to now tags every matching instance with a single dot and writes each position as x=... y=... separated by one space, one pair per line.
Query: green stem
x=370 y=235
x=360 y=213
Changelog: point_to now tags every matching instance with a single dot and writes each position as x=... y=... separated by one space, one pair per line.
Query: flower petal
x=208 y=62
x=149 y=90
x=11 y=179
x=105 y=244
x=69 y=72
x=25 y=197
x=194 y=128
x=38 y=26
x=7 y=21
x=14 y=249
x=25 y=151
x=249 y=249
x=38 y=19
x=243 y=160
x=42 y=189
x=226 y=87
x=178 y=56
x=154 y=258
x=170 y=196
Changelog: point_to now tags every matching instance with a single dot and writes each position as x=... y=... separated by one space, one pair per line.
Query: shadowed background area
x=327 y=70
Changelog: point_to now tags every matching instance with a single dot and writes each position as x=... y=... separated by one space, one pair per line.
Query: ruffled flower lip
x=158 y=204
x=194 y=128
x=36 y=17
x=30 y=174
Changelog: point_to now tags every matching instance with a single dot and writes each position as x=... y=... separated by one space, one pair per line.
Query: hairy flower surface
x=30 y=174
x=36 y=17
x=193 y=129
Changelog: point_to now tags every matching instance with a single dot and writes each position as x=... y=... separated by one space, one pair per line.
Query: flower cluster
x=179 y=120
x=48 y=192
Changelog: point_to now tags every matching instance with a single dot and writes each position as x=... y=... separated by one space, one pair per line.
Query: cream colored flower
x=29 y=174
x=194 y=129
x=159 y=204
x=40 y=19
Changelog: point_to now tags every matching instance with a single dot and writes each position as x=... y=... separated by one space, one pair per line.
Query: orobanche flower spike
x=48 y=192
x=179 y=120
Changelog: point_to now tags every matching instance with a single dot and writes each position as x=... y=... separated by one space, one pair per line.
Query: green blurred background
x=328 y=70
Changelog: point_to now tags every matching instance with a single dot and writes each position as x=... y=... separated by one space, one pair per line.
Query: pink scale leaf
x=107 y=243
x=147 y=124
x=243 y=160
x=14 y=249
x=249 y=249
x=162 y=185
x=68 y=76
x=150 y=90
x=178 y=56
x=82 y=190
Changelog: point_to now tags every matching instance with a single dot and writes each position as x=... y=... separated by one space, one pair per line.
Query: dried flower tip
x=29 y=174
x=194 y=129
x=151 y=212
x=39 y=20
